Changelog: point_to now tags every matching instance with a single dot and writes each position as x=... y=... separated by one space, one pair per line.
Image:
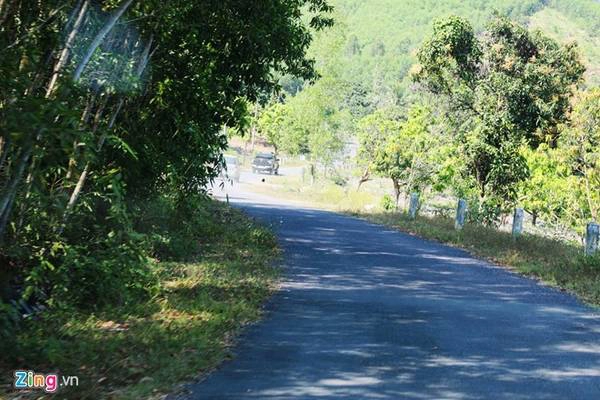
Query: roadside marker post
x=517 y=229
x=414 y=205
x=461 y=214
x=592 y=238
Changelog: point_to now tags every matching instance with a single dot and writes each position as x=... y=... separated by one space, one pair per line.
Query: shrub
x=106 y=272
x=388 y=203
x=174 y=227
x=8 y=326
x=339 y=180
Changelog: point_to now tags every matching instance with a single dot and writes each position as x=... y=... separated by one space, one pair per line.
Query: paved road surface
x=370 y=313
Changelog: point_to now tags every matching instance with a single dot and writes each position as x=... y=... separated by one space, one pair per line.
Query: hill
x=380 y=36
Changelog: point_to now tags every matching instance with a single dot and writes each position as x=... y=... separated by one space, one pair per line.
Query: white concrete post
x=592 y=238
x=461 y=215
x=414 y=205
x=517 y=229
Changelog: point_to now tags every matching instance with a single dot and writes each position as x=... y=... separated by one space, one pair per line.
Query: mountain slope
x=381 y=36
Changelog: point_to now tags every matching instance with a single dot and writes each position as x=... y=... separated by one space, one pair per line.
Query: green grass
x=323 y=193
x=554 y=262
x=146 y=350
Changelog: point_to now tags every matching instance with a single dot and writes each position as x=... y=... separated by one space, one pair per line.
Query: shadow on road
x=369 y=313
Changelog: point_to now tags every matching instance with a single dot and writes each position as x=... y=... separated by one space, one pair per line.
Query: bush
x=110 y=263
x=187 y=325
x=589 y=264
x=487 y=213
x=339 y=180
x=9 y=318
x=108 y=271
x=113 y=263
x=174 y=227
x=388 y=203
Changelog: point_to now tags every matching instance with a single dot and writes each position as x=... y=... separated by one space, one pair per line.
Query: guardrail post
x=592 y=238
x=414 y=205
x=517 y=229
x=461 y=214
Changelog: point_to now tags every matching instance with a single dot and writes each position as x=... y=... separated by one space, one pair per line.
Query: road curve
x=370 y=313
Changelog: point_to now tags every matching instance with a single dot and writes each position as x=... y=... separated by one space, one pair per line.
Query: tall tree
x=103 y=104
x=506 y=88
x=581 y=147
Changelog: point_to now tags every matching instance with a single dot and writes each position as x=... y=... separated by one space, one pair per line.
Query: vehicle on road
x=232 y=169
x=265 y=163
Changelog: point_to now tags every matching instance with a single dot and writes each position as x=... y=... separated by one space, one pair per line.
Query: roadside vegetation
x=213 y=269
x=113 y=265
x=500 y=117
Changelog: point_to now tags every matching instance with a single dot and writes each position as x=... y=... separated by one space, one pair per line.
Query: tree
x=581 y=148
x=191 y=99
x=378 y=49
x=402 y=151
x=104 y=107
x=314 y=122
x=271 y=125
x=547 y=192
x=353 y=48
x=374 y=131
x=507 y=88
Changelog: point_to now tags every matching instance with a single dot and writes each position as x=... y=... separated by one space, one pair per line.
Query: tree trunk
x=396 y=191
x=4 y=218
x=64 y=54
x=28 y=184
x=11 y=189
x=85 y=116
x=588 y=191
x=82 y=178
x=366 y=176
x=4 y=149
x=87 y=111
x=7 y=201
x=100 y=37
x=252 y=136
x=73 y=13
x=5 y=8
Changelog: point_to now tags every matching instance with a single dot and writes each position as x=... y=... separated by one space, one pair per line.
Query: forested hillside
x=382 y=35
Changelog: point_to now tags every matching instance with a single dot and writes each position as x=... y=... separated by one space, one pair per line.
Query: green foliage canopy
x=104 y=105
x=508 y=88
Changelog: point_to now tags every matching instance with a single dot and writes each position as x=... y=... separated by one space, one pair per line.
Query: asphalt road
x=370 y=313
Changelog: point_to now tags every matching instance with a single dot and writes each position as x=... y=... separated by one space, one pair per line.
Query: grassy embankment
x=553 y=262
x=145 y=350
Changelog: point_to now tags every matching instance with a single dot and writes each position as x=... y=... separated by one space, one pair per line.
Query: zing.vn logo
x=48 y=382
